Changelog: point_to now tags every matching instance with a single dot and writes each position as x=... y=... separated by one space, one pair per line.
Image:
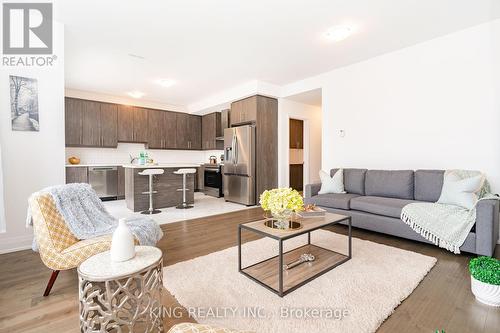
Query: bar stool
x=184 y=172
x=151 y=173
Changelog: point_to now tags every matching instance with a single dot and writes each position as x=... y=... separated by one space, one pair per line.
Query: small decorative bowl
x=74 y=160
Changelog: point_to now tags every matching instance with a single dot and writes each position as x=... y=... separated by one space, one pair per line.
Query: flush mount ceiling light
x=339 y=32
x=135 y=94
x=167 y=83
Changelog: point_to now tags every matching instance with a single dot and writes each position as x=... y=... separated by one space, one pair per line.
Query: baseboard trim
x=14 y=244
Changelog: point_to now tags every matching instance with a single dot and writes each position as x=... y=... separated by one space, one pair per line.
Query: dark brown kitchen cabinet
x=182 y=130
x=211 y=129
x=161 y=129
x=140 y=125
x=244 y=111
x=195 y=132
x=188 y=131
x=73 y=118
x=296 y=134
x=76 y=175
x=225 y=121
x=121 y=182
x=132 y=124
x=109 y=125
x=90 y=123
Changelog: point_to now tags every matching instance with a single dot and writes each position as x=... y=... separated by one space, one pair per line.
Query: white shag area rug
x=356 y=296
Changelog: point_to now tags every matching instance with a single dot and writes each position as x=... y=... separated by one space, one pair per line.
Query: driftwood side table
x=123 y=296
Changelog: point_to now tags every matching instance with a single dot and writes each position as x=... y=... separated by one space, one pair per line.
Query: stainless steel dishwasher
x=104 y=180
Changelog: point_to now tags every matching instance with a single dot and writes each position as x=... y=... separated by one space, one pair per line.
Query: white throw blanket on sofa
x=447 y=226
x=86 y=216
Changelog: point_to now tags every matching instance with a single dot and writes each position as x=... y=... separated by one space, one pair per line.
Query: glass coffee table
x=271 y=272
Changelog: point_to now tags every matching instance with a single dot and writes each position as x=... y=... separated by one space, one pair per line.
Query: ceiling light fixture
x=135 y=94
x=167 y=83
x=339 y=32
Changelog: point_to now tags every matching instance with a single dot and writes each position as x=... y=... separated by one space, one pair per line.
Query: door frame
x=306 y=129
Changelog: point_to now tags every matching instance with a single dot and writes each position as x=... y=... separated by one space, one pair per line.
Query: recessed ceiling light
x=339 y=32
x=165 y=82
x=135 y=94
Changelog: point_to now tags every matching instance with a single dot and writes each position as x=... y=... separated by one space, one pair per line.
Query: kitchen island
x=166 y=185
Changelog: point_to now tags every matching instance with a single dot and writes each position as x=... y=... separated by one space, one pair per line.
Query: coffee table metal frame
x=280 y=292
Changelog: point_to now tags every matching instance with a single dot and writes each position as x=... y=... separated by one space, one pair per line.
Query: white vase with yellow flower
x=282 y=203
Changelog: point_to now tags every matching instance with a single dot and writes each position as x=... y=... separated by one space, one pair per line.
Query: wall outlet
x=341 y=133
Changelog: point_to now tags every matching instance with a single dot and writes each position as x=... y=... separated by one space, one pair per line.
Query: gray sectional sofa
x=375 y=198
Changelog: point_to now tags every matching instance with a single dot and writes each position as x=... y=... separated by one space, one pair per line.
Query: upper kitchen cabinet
x=90 y=123
x=188 y=131
x=161 y=129
x=109 y=125
x=132 y=124
x=73 y=118
x=211 y=130
x=244 y=111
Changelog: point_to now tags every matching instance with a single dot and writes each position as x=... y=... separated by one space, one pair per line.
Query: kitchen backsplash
x=122 y=152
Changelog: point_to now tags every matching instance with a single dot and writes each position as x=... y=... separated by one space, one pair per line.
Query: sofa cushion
x=428 y=185
x=380 y=205
x=390 y=183
x=354 y=180
x=332 y=200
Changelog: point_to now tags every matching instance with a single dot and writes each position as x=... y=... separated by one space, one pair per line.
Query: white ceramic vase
x=122 y=244
x=488 y=294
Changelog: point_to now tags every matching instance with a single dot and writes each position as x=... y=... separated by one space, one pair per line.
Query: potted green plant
x=282 y=203
x=485 y=280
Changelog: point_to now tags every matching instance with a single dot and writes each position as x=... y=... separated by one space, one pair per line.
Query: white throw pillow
x=460 y=192
x=333 y=184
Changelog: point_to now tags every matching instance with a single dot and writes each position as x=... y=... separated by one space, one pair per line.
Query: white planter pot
x=122 y=244
x=488 y=294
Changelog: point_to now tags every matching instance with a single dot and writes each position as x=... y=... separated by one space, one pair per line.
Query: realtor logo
x=27 y=28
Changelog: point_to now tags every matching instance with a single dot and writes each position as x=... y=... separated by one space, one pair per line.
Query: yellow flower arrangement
x=281 y=200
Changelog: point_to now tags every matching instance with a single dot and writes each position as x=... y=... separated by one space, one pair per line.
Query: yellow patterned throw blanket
x=445 y=225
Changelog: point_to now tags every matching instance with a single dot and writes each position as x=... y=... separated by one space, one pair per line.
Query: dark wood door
x=109 y=125
x=156 y=129
x=76 y=175
x=297 y=176
x=73 y=118
x=182 y=130
x=244 y=111
x=91 y=130
x=140 y=125
x=194 y=132
x=169 y=130
x=296 y=131
x=125 y=123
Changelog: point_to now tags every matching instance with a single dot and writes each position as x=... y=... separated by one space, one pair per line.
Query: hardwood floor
x=442 y=300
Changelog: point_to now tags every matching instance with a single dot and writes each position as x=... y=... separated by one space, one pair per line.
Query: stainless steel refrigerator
x=239 y=165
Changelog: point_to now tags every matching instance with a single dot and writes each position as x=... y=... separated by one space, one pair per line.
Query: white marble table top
x=100 y=267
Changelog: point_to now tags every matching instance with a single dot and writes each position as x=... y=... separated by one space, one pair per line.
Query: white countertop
x=137 y=166
x=94 y=165
x=162 y=165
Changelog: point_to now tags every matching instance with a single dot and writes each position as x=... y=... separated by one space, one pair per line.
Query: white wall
x=32 y=160
x=432 y=105
x=121 y=154
x=95 y=96
x=312 y=139
x=2 y=201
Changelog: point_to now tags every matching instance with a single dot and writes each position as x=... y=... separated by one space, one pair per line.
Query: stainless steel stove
x=212 y=177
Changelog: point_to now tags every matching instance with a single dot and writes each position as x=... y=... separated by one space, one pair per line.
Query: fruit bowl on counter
x=74 y=160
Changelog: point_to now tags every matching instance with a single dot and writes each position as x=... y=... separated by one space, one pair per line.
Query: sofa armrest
x=311 y=190
x=487 y=212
